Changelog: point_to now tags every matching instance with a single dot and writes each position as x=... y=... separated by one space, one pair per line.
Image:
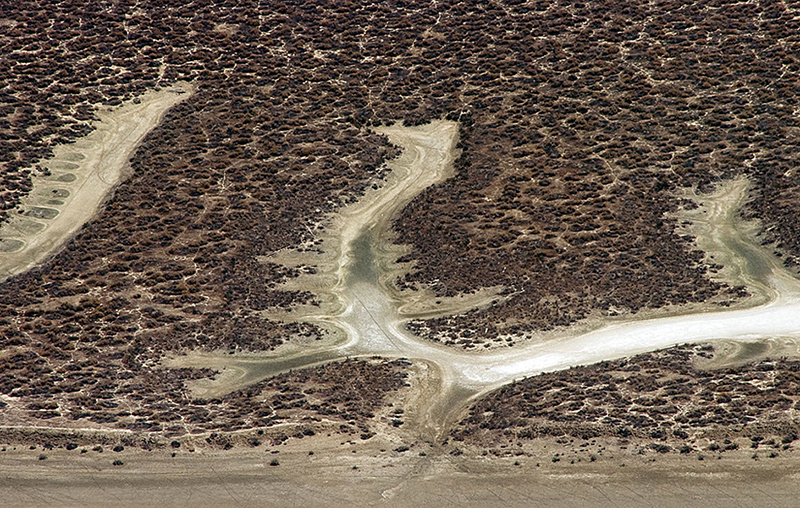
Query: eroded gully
x=368 y=315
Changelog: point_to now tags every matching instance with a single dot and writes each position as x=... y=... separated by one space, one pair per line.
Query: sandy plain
x=344 y=474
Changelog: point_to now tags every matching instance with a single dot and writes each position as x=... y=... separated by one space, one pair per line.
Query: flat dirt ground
x=357 y=474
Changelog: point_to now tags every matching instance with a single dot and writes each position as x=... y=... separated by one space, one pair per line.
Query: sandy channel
x=370 y=317
x=370 y=314
x=82 y=176
x=366 y=314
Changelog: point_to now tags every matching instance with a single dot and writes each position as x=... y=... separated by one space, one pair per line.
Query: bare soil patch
x=377 y=475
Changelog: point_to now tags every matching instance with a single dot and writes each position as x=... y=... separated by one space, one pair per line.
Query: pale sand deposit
x=355 y=272
x=83 y=175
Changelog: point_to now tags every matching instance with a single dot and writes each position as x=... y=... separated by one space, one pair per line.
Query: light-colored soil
x=731 y=242
x=367 y=312
x=427 y=159
x=376 y=475
x=735 y=353
x=83 y=174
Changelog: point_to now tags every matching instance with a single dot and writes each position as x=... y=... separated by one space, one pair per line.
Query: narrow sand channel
x=372 y=316
x=82 y=175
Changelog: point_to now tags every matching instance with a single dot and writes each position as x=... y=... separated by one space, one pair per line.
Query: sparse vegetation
x=350 y=392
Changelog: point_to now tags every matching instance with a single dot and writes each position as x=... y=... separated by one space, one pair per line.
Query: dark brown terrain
x=348 y=397
x=659 y=401
x=578 y=121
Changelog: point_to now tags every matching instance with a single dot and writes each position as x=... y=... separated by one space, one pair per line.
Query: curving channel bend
x=367 y=315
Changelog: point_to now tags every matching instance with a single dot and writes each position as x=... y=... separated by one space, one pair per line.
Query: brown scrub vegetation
x=578 y=120
x=656 y=397
x=600 y=113
x=345 y=396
